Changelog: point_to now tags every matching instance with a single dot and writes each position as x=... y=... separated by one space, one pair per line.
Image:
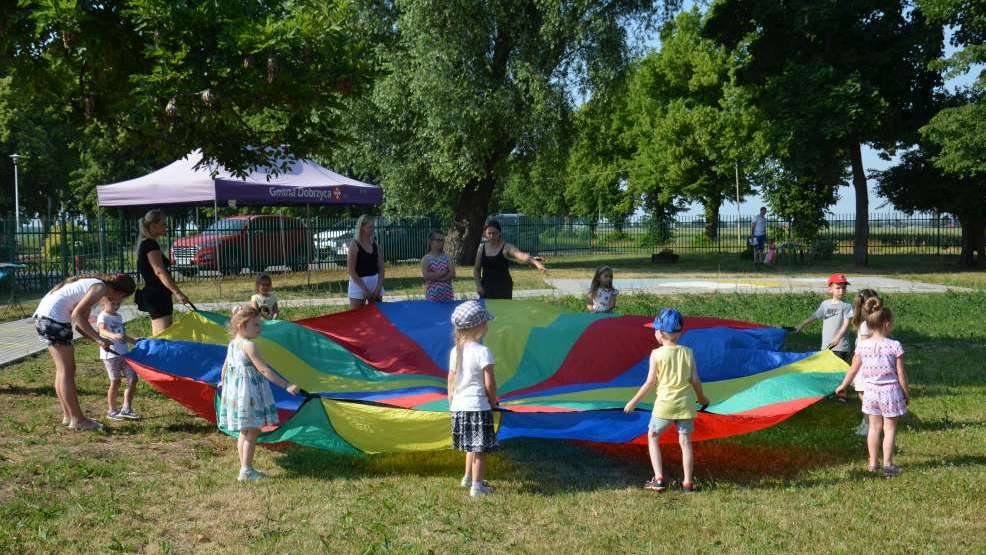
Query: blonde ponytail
x=144 y=225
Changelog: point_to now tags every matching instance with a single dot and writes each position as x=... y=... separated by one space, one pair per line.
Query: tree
x=960 y=131
x=157 y=79
x=833 y=76
x=470 y=86
x=693 y=130
x=919 y=184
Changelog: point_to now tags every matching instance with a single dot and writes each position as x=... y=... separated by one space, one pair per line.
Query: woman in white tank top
x=65 y=307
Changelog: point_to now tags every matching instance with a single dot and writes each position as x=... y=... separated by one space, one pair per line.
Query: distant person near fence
x=152 y=264
x=366 y=265
x=758 y=230
x=492 y=268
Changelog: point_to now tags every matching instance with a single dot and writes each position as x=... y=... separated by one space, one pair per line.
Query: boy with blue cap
x=674 y=376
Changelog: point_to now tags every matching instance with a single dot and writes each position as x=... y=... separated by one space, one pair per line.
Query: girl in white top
x=602 y=294
x=264 y=300
x=472 y=394
x=859 y=315
x=65 y=307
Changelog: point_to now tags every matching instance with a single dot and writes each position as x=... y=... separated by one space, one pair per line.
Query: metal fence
x=48 y=250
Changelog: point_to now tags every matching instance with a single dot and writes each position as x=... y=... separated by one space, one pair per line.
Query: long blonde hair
x=462 y=337
x=144 y=225
x=241 y=315
x=360 y=224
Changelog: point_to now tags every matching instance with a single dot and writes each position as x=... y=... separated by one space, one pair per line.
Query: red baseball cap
x=838 y=278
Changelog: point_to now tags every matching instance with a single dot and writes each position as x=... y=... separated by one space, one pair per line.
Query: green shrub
x=822 y=249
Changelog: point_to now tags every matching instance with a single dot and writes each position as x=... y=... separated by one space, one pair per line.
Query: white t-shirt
x=604 y=300
x=113 y=324
x=759 y=225
x=469 y=393
x=59 y=304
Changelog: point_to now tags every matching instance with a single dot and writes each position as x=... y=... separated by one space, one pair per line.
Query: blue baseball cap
x=668 y=321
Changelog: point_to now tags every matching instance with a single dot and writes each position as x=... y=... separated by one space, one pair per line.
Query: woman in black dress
x=155 y=297
x=492 y=268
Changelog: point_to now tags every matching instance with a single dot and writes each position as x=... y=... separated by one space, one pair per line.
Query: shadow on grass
x=38 y=391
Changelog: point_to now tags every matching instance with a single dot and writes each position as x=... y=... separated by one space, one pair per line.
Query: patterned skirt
x=246 y=401
x=439 y=291
x=884 y=400
x=473 y=431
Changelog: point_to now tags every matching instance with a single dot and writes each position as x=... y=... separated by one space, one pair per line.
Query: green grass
x=167 y=484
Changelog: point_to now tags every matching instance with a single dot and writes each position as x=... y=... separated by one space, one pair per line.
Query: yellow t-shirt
x=675 y=394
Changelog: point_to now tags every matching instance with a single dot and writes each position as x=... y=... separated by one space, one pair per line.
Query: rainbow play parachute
x=377 y=376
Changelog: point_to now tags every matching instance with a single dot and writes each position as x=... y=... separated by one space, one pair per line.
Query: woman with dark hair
x=66 y=307
x=155 y=297
x=492 y=267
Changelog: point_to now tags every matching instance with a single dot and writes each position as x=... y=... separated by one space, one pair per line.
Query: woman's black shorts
x=157 y=303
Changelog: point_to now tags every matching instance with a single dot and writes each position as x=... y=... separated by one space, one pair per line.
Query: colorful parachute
x=377 y=376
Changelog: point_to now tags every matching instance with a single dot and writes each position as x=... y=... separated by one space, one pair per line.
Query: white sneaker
x=479 y=489
x=129 y=414
x=250 y=475
x=466 y=482
x=863 y=429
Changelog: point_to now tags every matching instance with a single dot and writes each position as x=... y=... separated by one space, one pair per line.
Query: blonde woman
x=365 y=264
x=155 y=297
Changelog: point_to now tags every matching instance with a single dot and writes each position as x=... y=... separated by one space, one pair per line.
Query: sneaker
x=88 y=426
x=251 y=475
x=891 y=470
x=129 y=414
x=656 y=484
x=863 y=429
x=479 y=489
x=466 y=482
x=114 y=415
x=688 y=488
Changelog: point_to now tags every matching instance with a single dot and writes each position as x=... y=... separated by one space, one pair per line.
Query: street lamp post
x=17 y=197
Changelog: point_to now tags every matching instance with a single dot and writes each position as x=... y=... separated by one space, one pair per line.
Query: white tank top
x=59 y=304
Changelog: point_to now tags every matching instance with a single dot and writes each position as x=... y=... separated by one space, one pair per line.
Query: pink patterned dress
x=883 y=394
x=439 y=291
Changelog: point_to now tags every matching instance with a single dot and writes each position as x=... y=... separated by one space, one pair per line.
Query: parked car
x=399 y=240
x=250 y=241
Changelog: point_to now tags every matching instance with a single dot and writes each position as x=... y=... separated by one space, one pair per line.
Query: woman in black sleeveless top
x=152 y=265
x=365 y=264
x=492 y=268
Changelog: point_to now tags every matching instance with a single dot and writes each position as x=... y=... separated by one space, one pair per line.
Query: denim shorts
x=657 y=425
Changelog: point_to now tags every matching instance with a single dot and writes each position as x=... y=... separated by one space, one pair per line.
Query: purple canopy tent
x=188 y=182
x=182 y=183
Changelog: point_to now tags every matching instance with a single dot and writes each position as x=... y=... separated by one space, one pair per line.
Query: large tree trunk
x=712 y=217
x=470 y=215
x=973 y=240
x=860 y=249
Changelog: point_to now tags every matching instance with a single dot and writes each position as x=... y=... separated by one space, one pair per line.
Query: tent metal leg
x=219 y=255
x=308 y=244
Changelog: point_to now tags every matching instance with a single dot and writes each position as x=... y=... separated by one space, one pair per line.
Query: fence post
x=102 y=243
x=63 y=241
x=121 y=238
x=938 y=231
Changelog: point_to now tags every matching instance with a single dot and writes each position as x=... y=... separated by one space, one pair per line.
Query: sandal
x=873 y=469
x=891 y=470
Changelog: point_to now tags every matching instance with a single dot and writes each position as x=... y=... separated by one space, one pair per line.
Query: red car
x=255 y=242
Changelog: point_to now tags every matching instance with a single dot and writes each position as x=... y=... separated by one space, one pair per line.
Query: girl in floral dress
x=438 y=270
x=246 y=403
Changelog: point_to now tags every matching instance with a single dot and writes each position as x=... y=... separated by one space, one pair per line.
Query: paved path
x=18 y=339
x=770 y=284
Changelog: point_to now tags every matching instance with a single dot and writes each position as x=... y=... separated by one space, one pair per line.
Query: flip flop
x=93 y=427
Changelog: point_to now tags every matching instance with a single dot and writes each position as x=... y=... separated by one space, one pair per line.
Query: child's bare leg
x=478 y=467
x=239 y=447
x=128 y=394
x=889 y=440
x=687 y=456
x=873 y=439
x=654 y=448
x=470 y=459
x=111 y=395
x=249 y=437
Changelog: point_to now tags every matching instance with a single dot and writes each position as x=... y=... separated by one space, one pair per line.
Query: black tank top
x=495 y=275
x=367 y=263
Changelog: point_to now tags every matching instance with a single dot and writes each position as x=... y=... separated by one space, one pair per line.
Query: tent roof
x=182 y=183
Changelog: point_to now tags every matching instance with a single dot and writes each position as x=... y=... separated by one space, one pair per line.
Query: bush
x=822 y=249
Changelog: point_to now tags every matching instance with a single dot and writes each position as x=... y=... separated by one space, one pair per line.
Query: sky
x=871 y=159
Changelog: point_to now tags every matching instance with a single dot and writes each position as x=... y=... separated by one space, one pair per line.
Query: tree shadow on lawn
x=29 y=391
